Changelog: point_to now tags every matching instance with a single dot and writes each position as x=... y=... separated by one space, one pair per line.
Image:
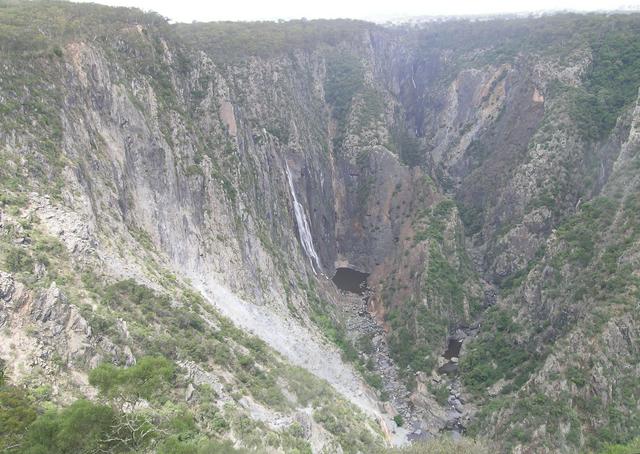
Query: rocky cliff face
x=237 y=166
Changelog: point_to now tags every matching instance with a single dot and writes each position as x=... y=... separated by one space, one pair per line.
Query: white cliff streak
x=303 y=226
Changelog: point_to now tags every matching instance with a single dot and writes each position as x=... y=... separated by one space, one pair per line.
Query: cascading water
x=303 y=226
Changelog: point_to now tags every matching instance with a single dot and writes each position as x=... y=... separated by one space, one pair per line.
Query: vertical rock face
x=459 y=164
x=304 y=232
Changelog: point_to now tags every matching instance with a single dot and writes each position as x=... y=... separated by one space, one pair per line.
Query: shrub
x=497 y=354
x=18 y=260
x=83 y=427
x=577 y=376
x=443 y=445
x=633 y=447
x=440 y=392
x=16 y=413
x=149 y=379
x=175 y=445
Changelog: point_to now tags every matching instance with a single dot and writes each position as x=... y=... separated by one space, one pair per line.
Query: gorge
x=318 y=236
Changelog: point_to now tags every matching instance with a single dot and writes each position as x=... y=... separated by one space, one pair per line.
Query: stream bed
x=455 y=403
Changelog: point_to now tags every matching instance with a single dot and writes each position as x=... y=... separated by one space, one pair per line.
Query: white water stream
x=303 y=226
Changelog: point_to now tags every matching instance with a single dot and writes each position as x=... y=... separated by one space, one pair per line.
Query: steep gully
x=418 y=422
x=360 y=323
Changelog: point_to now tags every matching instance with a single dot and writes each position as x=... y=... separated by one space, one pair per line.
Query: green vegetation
x=440 y=393
x=83 y=427
x=415 y=339
x=229 y=42
x=472 y=218
x=149 y=379
x=501 y=41
x=515 y=280
x=368 y=111
x=162 y=327
x=567 y=420
x=351 y=437
x=584 y=273
x=175 y=445
x=166 y=329
x=18 y=260
x=399 y=420
x=497 y=355
x=34 y=427
x=60 y=22
x=595 y=276
x=34 y=40
x=110 y=426
x=610 y=84
x=535 y=410
x=591 y=248
x=418 y=333
x=11 y=200
x=36 y=250
x=632 y=447
x=345 y=78
x=407 y=146
x=612 y=80
x=17 y=412
x=581 y=232
x=577 y=376
x=444 y=444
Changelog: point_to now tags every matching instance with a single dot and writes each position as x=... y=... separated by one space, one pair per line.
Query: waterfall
x=303 y=226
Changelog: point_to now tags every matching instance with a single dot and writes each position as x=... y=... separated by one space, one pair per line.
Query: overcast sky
x=203 y=10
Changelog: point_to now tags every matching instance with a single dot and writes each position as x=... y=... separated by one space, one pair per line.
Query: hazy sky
x=199 y=10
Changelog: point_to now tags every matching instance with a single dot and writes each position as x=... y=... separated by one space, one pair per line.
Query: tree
x=16 y=413
x=83 y=427
x=149 y=379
